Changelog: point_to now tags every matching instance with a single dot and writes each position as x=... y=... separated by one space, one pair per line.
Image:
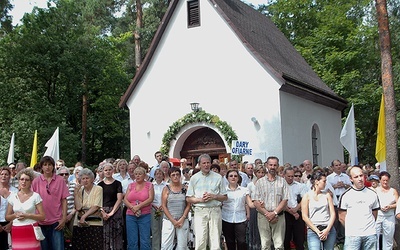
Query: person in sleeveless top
x=318 y=213
x=176 y=209
x=138 y=199
x=385 y=222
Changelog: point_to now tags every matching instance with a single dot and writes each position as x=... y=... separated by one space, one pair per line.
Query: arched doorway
x=203 y=141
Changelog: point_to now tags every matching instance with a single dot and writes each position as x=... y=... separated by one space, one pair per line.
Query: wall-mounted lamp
x=256 y=123
x=194 y=106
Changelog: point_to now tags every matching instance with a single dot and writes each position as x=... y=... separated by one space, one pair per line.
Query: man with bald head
x=358 y=210
x=307 y=170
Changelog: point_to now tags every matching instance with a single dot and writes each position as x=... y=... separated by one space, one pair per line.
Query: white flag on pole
x=348 y=137
x=10 y=158
x=53 y=147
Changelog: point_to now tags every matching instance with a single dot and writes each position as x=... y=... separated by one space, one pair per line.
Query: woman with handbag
x=318 y=213
x=112 y=210
x=25 y=209
x=88 y=224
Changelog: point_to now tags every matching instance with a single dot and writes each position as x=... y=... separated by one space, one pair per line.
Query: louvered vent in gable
x=193 y=13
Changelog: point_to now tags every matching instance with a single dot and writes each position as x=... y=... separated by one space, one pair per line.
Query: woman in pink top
x=138 y=199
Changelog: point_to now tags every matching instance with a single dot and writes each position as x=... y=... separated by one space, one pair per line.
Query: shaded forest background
x=81 y=53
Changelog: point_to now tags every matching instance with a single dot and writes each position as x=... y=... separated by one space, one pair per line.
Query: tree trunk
x=139 y=26
x=388 y=91
x=84 y=121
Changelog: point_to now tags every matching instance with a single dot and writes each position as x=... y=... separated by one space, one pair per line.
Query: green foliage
x=45 y=62
x=339 y=39
x=195 y=117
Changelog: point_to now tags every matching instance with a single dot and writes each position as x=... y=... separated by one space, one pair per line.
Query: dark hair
x=216 y=166
x=273 y=158
x=185 y=170
x=287 y=169
x=47 y=159
x=316 y=176
x=384 y=173
x=195 y=171
x=173 y=170
x=332 y=163
x=234 y=170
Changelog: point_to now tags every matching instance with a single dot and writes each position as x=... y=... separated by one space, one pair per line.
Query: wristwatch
x=276 y=214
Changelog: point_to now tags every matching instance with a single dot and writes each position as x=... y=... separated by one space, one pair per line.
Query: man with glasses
x=54 y=193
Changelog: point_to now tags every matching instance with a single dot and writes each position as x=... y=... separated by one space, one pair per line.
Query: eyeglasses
x=63 y=174
x=24 y=179
x=231 y=175
x=297 y=175
x=48 y=189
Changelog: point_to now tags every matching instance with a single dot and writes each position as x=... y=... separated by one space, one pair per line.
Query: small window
x=193 y=13
x=316 y=144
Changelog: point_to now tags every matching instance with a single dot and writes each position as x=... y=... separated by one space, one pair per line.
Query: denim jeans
x=314 y=243
x=136 y=235
x=360 y=242
x=54 y=238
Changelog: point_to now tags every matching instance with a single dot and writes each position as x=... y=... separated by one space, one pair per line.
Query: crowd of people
x=213 y=205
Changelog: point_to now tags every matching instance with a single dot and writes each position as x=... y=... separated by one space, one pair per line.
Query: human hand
x=208 y=197
x=61 y=225
x=323 y=235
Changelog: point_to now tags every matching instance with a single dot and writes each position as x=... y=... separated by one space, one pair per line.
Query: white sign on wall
x=241 y=148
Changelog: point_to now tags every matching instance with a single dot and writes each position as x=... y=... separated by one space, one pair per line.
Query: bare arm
x=117 y=204
x=342 y=216
x=40 y=216
x=331 y=212
x=61 y=222
x=305 y=213
x=375 y=213
x=249 y=202
x=164 y=202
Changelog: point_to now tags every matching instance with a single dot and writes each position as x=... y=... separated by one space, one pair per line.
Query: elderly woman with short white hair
x=88 y=227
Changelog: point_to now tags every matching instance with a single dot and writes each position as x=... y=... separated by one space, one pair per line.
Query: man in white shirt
x=340 y=182
x=294 y=222
x=307 y=170
x=158 y=155
x=358 y=210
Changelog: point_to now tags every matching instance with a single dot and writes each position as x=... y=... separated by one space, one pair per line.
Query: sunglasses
x=63 y=174
x=48 y=189
x=297 y=176
x=231 y=175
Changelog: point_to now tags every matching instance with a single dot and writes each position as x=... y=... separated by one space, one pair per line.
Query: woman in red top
x=138 y=199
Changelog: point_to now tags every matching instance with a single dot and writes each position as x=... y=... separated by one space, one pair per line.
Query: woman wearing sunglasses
x=235 y=213
x=24 y=209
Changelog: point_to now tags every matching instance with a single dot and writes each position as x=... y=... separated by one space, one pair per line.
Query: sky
x=23 y=6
